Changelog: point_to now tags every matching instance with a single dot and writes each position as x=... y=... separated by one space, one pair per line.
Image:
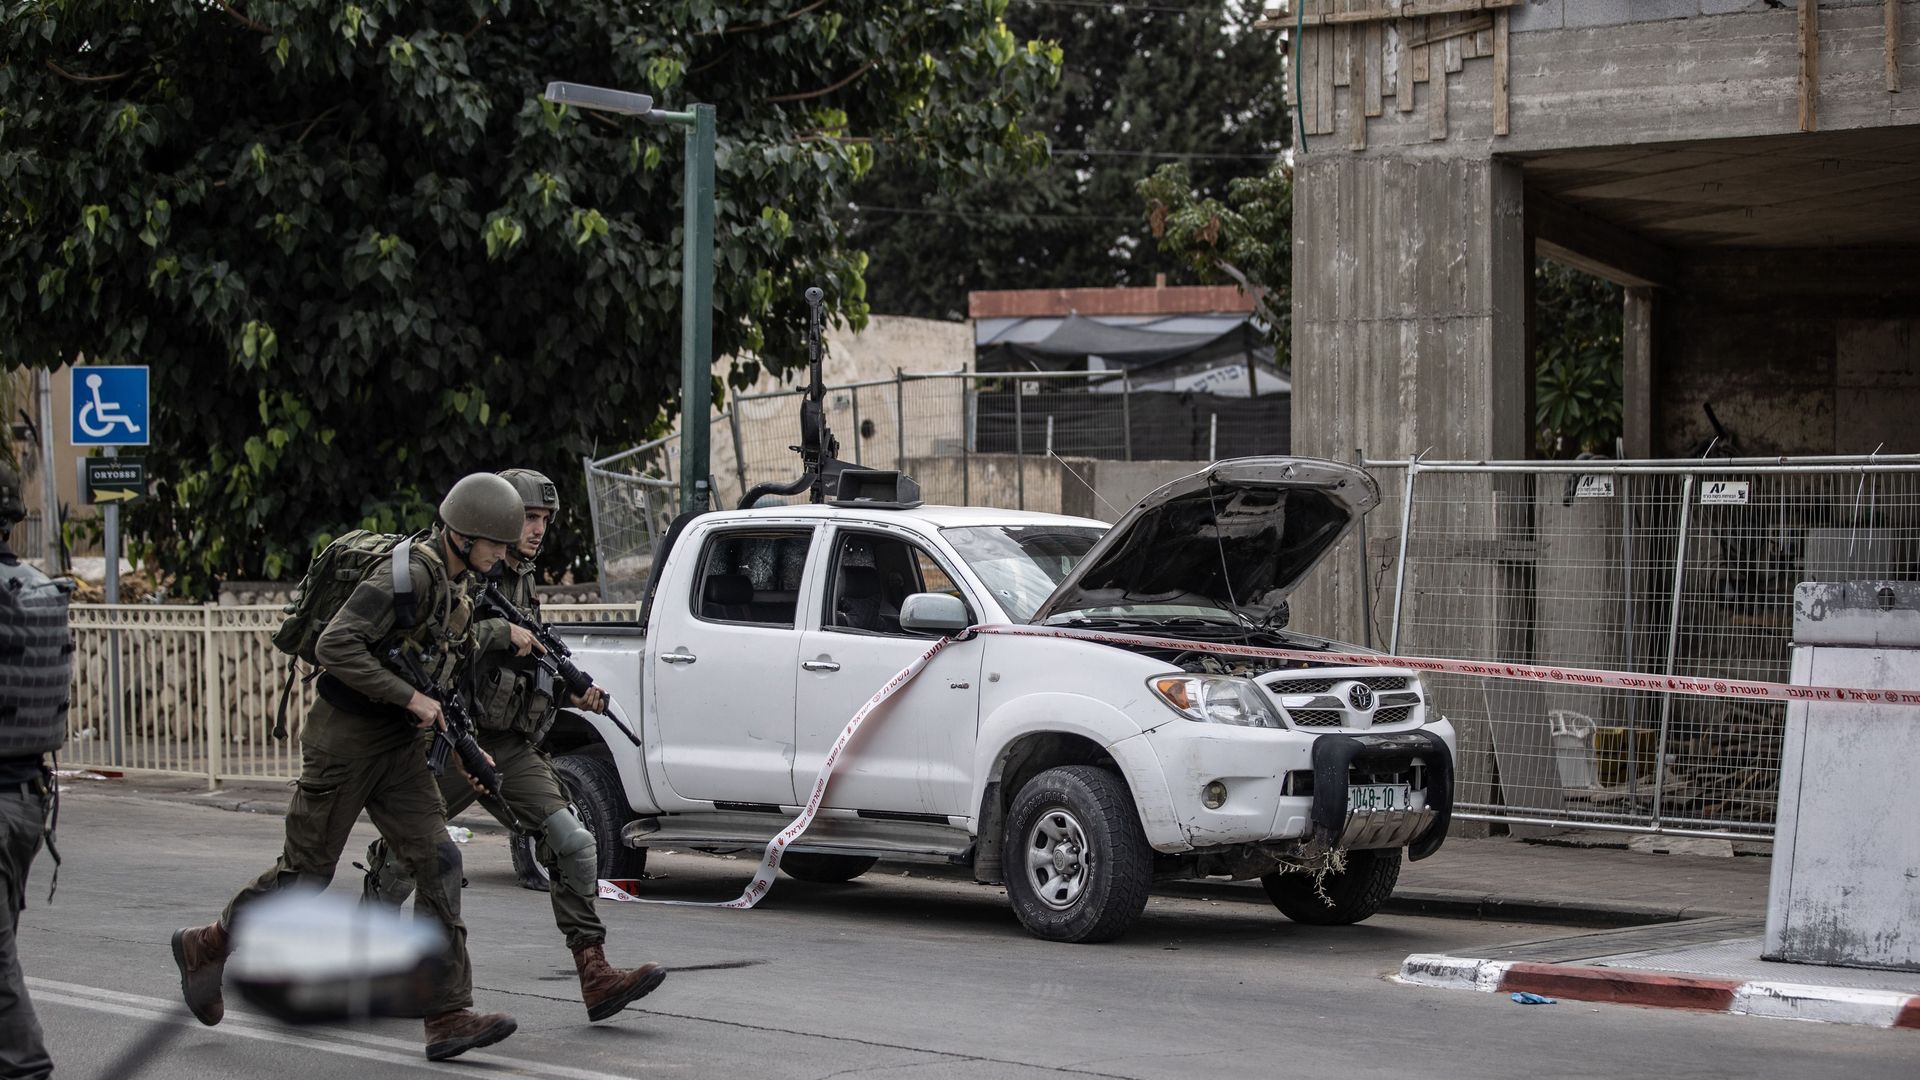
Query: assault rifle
x=556 y=658
x=457 y=736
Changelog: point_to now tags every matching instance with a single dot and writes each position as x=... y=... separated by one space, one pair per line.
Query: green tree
x=1578 y=361
x=363 y=258
x=1245 y=239
x=1143 y=82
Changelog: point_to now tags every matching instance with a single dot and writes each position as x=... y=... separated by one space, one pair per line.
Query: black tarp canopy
x=1130 y=348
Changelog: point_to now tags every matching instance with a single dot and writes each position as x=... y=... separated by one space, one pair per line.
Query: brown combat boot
x=201 y=952
x=607 y=989
x=454 y=1033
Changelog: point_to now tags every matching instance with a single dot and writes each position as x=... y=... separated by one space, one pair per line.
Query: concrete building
x=1748 y=169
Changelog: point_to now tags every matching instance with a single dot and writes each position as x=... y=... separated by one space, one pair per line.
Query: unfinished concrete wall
x=1798 y=353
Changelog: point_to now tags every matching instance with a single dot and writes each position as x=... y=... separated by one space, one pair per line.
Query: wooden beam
x=1596 y=245
x=1406 y=9
x=1374 y=57
x=1893 y=46
x=1471 y=26
x=1403 y=89
x=1809 y=64
x=1502 y=121
x=1437 y=103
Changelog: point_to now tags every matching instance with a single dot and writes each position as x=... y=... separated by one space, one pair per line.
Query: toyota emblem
x=1361 y=696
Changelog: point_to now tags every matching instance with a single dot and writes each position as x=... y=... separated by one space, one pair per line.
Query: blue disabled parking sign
x=109 y=406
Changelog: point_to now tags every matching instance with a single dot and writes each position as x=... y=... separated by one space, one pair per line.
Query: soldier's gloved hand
x=524 y=643
x=594 y=700
x=426 y=711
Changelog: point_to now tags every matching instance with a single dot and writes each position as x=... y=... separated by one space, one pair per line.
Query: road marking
x=348 y=1043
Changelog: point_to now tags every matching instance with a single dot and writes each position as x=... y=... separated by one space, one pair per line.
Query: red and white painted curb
x=1665 y=990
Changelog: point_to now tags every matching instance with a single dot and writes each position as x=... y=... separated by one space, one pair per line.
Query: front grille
x=1317 y=717
x=1393 y=716
x=1323 y=686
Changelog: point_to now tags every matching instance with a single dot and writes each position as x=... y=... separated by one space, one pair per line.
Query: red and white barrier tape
x=1739 y=689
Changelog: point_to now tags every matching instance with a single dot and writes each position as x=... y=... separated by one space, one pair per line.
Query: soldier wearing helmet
x=35 y=670
x=361 y=749
x=514 y=704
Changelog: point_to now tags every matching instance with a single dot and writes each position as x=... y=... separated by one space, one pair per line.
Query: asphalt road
x=894 y=975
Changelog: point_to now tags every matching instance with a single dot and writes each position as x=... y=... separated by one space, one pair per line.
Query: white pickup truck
x=1076 y=772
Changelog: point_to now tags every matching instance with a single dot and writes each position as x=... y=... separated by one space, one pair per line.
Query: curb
x=1661 y=990
x=1463 y=904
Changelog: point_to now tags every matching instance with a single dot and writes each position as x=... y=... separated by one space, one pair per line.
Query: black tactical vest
x=36 y=661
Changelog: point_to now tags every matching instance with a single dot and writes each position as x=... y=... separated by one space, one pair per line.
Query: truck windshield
x=1022 y=564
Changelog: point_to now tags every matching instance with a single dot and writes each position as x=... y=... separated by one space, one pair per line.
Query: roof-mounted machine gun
x=822 y=474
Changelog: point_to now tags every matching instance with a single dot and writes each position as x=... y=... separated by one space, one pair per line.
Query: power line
x=1016 y=214
x=1086 y=152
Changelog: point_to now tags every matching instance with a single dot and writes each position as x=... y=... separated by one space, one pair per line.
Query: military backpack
x=329 y=581
x=36 y=661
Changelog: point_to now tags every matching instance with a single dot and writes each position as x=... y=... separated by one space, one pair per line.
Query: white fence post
x=1673 y=649
x=210 y=696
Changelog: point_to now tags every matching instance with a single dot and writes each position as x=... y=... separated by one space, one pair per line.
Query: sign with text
x=1724 y=493
x=114 y=480
x=1594 y=486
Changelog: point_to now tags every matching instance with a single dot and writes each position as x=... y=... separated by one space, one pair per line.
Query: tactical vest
x=514 y=693
x=36 y=661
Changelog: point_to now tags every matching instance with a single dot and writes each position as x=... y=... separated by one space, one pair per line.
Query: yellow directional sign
x=115 y=480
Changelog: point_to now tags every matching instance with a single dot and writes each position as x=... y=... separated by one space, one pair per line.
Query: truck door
x=725 y=660
x=915 y=755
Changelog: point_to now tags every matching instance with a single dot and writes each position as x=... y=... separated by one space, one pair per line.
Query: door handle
x=677 y=658
x=819 y=665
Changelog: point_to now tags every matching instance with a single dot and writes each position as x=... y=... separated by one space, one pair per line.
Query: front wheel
x=592 y=784
x=1078 y=867
x=1340 y=899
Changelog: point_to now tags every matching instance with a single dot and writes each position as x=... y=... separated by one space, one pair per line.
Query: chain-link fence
x=632 y=496
x=995 y=438
x=1666 y=567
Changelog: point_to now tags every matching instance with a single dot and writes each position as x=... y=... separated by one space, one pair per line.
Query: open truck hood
x=1238 y=535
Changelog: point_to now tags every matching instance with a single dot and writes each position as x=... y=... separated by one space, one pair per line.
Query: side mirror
x=933 y=613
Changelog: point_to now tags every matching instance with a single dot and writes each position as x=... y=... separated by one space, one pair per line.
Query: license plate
x=1379 y=797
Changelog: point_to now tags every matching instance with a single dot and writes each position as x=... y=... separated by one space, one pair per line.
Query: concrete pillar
x=1636 y=408
x=1412 y=335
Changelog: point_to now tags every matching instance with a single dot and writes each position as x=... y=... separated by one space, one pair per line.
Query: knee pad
x=448 y=854
x=576 y=862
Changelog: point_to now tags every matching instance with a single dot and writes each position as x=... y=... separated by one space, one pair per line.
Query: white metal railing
x=194 y=690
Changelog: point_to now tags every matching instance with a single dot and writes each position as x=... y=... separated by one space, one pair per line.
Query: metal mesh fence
x=1681 y=568
x=632 y=496
x=994 y=439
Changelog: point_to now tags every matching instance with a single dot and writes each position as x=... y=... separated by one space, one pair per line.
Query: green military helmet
x=12 y=508
x=536 y=491
x=485 y=506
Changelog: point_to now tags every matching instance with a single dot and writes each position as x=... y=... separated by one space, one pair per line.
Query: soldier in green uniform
x=513 y=706
x=362 y=748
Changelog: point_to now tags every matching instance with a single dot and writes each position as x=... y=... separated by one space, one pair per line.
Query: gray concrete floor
x=895 y=975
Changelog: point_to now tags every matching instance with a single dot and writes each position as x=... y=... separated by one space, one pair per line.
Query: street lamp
x=696 y=261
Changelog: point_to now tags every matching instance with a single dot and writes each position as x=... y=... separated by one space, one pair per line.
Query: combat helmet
x=484 y=506
x=536 y=491
x=12 y=508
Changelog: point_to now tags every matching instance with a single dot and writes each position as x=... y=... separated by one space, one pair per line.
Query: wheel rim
x=1058 y=862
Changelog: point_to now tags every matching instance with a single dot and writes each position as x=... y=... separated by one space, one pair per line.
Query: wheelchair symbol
x=105 y=415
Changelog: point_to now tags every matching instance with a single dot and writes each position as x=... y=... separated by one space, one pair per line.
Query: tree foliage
x=363 y=258
x=1578 y=361
x=1143 y=81
x=1245 y=239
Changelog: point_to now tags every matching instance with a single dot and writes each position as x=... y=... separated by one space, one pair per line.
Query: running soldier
x=513 y=706
x=361 y=748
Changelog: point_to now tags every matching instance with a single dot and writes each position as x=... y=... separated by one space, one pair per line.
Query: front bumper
x=1268 y=800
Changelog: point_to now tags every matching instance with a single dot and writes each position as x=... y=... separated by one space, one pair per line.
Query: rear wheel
x=825 y=869
x=592 y=784
x=1340 y=899
x=1077 y=863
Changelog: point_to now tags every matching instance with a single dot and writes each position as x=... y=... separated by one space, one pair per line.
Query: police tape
x=1738 y=689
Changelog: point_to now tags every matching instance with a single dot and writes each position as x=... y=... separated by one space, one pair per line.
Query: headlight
x=1216 y=699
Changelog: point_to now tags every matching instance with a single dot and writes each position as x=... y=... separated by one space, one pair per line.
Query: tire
x=593 y=788
x=1076 y=861
x=825 y=869
x=1356 y=892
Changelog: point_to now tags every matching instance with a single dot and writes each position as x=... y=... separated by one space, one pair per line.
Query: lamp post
x=696 y=274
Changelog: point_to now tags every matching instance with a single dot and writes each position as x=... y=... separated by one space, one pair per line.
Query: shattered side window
x=752 y=576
